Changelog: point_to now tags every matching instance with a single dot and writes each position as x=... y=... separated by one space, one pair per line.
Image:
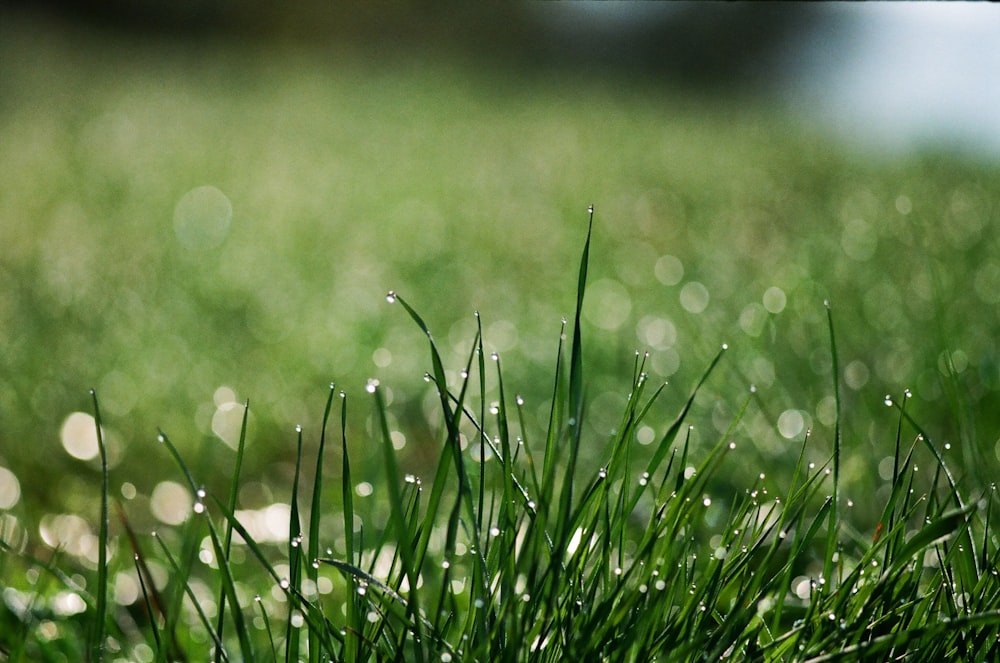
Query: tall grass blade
x=234 y=487
x=576 y=399
x=96 y=653
x=312 y=570
x=292 y=640
x=182 y=576
x=832 y=537
x=397 y=508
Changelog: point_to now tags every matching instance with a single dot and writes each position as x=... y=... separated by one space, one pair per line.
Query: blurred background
x=204 y=202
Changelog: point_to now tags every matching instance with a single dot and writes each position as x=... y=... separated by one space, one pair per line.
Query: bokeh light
x=170 y=503
x=79 y=436
x=10 y=489
x=202 y=218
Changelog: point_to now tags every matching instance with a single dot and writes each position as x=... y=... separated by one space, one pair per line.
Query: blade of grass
x=182 y=580
x=397 y=508
x=233 y=492
x=576 y=400
x=96 y=650
x=832 y=535
x=314 y=517
x=292 y=640
x=188 y=553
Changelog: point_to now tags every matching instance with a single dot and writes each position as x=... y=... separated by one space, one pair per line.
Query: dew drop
x=732 y=445
x=644 y=479
x=888 y=400
x=199 y=507
x=391 y=296
x=602 y=473
x=372 y=385
x=494 y=531
x=464 y=374
x=284 y=584
x=590 y=209
x=495 y=356
x=725 y=346
x=161 y=438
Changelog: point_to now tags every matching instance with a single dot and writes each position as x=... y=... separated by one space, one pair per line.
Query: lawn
x=188 y=225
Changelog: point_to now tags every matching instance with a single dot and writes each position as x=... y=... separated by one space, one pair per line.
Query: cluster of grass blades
x=531 y=556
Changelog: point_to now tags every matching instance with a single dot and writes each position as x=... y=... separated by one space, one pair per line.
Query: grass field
x=187 y=225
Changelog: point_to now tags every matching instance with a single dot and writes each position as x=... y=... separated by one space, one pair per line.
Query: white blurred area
x=903 y=75
x=891 y=76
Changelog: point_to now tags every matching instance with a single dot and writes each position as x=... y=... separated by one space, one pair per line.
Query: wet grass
x=517 y=549
x=188 y=224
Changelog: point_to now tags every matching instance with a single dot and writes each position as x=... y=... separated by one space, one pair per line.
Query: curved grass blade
x=186 y=590
x=576 y=400
x=832 y=538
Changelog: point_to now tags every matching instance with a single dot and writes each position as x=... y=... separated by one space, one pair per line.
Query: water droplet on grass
x=372 y=385
x=391 y=296
x=602 y=473
x=283 y=583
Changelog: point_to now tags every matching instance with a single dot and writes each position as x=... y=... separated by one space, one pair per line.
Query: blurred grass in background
x=189 y=223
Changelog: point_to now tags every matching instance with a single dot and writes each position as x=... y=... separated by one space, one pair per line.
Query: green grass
x=719 y=222
x=525 y=554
